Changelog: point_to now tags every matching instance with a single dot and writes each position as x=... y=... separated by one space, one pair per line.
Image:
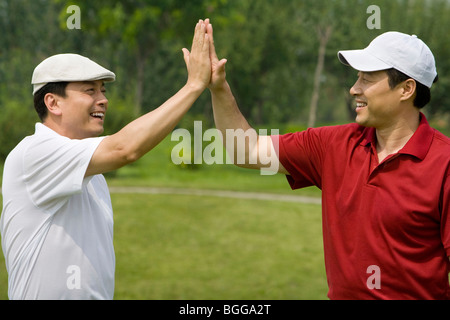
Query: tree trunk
x=324 y=36
x=140 y=77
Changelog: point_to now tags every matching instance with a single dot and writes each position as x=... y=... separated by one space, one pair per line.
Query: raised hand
x=218 y=74
x=198 y=61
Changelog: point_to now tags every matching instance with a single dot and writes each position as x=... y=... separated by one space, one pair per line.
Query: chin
x=360 y=121
x=366 y=123
x=363 y=120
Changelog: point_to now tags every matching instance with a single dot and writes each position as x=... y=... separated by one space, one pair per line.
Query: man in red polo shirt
x=384 y=179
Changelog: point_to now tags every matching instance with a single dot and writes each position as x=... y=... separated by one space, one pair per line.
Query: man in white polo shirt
x=57 y=220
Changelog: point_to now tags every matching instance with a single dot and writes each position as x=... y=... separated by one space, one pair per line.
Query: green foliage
x=118 y=115
x=271 y=47
x=16 y=122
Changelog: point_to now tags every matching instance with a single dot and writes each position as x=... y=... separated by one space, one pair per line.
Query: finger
x=201 y=34
x=197 y=43
x=194 y=39
x=206 y=43
x=219 y=67
x=212 y=48
x=221 y=64
x=186 y=56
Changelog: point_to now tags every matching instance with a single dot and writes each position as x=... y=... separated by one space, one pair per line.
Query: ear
x=408 y=89
x=51 y=100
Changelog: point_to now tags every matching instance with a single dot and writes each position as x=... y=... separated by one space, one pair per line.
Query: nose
x=102 y=101
x=356 y=90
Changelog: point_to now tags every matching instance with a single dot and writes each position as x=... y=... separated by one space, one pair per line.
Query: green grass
x=212 y=248
x=204 y=247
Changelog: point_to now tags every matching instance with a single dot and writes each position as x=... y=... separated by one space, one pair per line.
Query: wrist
x=195 y=87
x=219 y=87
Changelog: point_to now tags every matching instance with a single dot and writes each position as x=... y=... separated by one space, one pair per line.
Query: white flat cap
x=406 y=53
x=68 y=67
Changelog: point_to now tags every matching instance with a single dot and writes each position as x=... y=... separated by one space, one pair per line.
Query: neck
x=393 y=138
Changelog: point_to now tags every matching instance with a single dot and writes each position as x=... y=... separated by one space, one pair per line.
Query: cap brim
x=110 y=77
x=362 y=60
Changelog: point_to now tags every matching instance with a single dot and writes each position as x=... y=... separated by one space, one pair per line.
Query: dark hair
x=423 y=93
x=58 y=88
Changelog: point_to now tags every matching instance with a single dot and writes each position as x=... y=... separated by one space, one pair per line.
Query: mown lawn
x=183 y=247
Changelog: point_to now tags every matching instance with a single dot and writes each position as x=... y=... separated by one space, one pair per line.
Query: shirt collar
x=417 y=146
x=42 y=128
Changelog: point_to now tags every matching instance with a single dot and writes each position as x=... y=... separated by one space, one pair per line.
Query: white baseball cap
x=68 y=67
x=408 y=54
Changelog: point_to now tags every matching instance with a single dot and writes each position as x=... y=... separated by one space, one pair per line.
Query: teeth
x=361 y=105
x=97 y=115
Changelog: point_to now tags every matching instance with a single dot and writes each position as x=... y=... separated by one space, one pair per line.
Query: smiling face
x=377 y=105
x=80 y=114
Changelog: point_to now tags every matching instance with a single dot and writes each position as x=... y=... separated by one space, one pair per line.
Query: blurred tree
x=277 y=66
x=143 y=29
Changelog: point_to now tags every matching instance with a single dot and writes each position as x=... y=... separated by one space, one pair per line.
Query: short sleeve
x=54 y=169
x=445 y=216
x=302 y=154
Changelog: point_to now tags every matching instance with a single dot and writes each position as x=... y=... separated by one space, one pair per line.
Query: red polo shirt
x=386 y=226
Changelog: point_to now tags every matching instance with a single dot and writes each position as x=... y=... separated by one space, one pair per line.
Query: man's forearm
x=239 y=138
x=226 y=111
x=242 y=142
x=143 y=134
x=252 y=151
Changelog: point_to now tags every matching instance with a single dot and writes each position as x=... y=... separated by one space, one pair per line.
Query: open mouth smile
x=360 y=105
x=98 y=115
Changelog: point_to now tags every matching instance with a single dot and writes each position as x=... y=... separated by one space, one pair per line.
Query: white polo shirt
x=56 y=225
